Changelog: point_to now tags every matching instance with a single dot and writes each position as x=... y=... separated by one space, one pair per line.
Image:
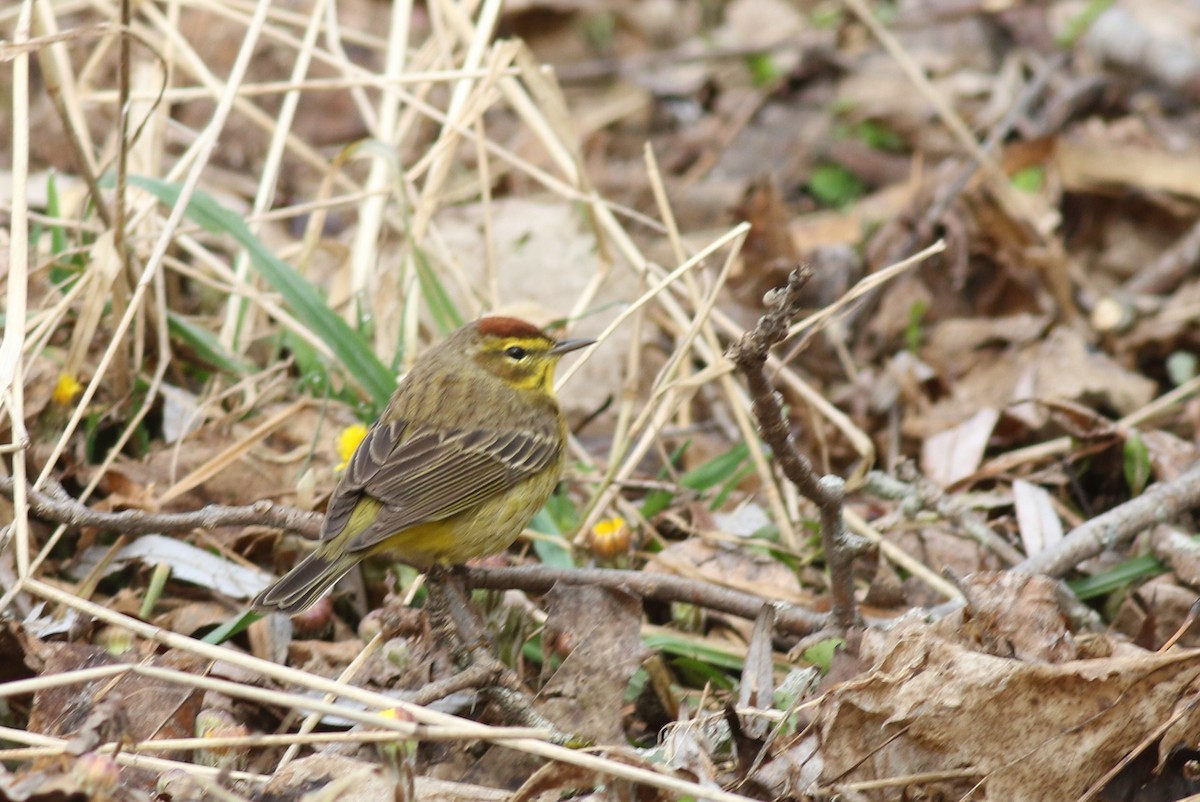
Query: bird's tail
x=299 y=588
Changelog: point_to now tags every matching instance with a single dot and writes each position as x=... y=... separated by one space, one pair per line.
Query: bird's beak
x=567 y=346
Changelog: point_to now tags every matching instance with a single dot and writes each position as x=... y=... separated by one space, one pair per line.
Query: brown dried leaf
x=758 y=681
x=309 y=776
x=952 y=344
x=1175 y=319
x=88 y=778
x=1080 y=422
x=1155 y=39
x=688 y=750
x=1017 y=615
x=731 y=567
x=148 y=708
x=1061 y=367
x=1179 y=552
x=1170 y=456
x=944 y=550
x=1153 y=614
x=1086 y=167
x=769 y=252
x=930 y=705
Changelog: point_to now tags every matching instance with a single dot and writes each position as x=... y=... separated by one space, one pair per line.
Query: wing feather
x=430 y=476
x=372 y=452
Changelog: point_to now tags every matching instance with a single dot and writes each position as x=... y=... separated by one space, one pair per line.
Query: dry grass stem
x=12 y=382
x=371 y=700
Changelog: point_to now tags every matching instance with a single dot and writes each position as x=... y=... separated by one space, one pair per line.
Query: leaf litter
x=1039 y=372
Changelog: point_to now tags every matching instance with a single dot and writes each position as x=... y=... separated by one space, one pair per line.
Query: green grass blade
x=680 y=645
x=1117 y=577
x=717 y=470
x=232 y=627
x=445 y=314
x=351 y=349
x=207 y=347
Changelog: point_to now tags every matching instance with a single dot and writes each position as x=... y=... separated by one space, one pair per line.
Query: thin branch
x=827 y=492
x=1160 y=503
x=789 y=617
x=57 y=507
x=1171 y=266
x=922 y=494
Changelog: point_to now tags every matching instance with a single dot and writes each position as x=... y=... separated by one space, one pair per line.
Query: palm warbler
x=468 y=450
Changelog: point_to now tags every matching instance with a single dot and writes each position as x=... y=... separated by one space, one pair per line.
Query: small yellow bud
x=403 y=747
x=66 y=389
x=610 y=538
x=348 y=442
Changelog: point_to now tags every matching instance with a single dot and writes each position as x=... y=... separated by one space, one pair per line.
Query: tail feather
x=301 y=587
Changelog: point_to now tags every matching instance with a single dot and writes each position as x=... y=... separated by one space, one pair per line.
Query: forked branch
x=827 y=492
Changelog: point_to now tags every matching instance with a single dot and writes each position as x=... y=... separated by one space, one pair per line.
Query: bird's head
x=519 y=353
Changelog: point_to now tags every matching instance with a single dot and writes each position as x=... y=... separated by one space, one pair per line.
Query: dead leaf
x=757 y=689
x=1088 y=167
x=86 y=778
x=943 y=549
x=1170 y=456
x=149 y=708
x=1061 y=367
x=188 y=563
x=1179 y=552
x=358 y=781
x=557 y=781
x=688 y=749
x=1152 y=614
x=954 y=454
x=769 y=253
x=732 y=567
x=1037 y=520
x=192 y=617
x=1010 y=614
x=931 y=706
x=952 y=344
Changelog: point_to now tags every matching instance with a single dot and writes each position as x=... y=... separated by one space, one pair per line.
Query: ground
x=229 y=232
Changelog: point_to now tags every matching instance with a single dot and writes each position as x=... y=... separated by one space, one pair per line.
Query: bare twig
x=921 y=494
x=1173 y=265
x=827 y=492
x=659 y=587
x=58 y=507
x=1160 y=503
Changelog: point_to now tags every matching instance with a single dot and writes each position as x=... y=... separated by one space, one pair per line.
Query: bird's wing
x=433 y=475
x=373 y=451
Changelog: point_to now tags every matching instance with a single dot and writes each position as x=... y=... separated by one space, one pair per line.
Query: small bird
x=468 y=450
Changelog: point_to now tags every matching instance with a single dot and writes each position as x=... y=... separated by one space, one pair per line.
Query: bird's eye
x=516 y=352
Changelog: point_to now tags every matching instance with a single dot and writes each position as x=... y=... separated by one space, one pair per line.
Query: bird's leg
x=472 y=635
x=451 y=615
x=437 y=605
x=452 y=618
